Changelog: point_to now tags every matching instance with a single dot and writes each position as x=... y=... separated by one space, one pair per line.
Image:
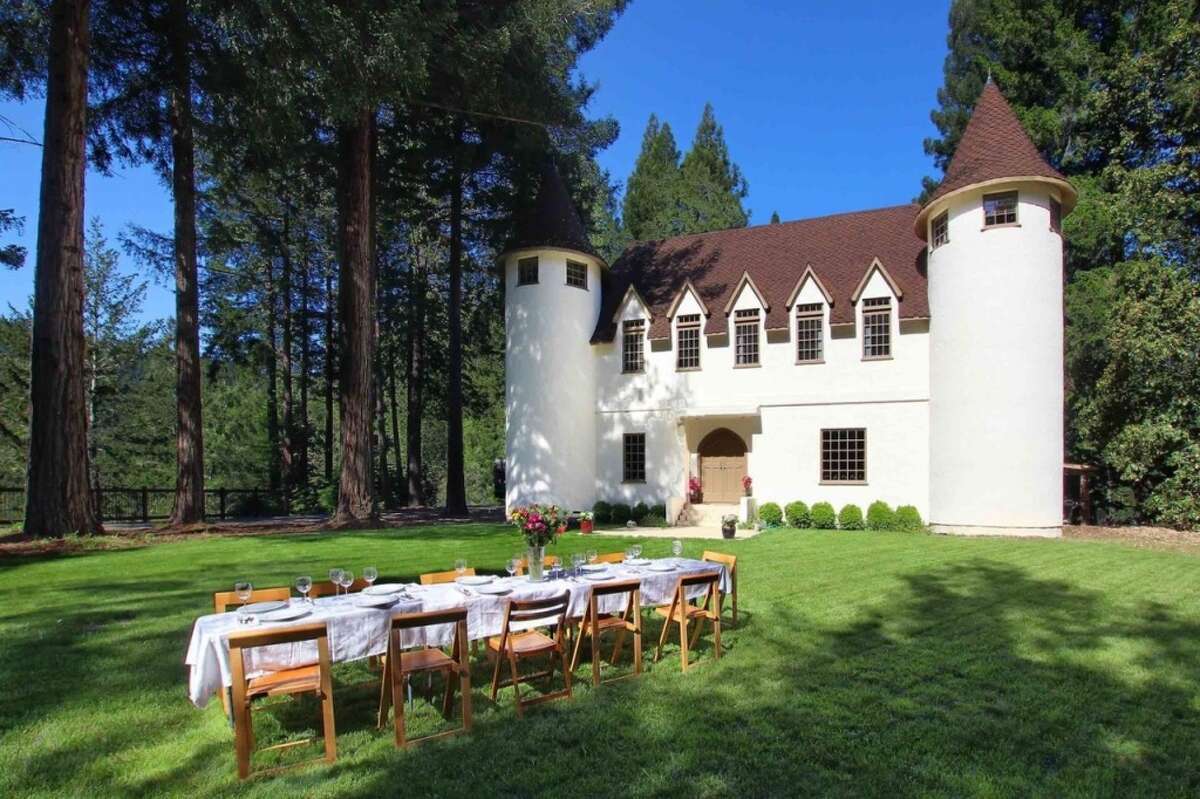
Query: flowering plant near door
x=747 y=484
x=693 y=488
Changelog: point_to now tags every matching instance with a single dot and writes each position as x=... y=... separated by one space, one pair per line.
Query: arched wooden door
x=722 y=465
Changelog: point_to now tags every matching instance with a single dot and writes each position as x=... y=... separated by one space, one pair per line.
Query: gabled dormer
x=808 y=309
x=633 y=320
x=877 y=298
x=747 y=312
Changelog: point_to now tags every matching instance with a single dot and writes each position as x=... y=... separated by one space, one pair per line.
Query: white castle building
x=911 y=354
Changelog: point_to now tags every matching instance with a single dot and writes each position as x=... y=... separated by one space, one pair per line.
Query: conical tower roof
x=995 y=147
x=552 y=220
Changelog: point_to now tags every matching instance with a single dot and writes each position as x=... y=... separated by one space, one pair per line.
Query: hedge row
x=620 y=513
x=822 y=516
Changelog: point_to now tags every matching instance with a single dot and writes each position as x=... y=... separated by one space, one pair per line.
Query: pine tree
x=652 y=193
x=774 y=217
x=712 y=187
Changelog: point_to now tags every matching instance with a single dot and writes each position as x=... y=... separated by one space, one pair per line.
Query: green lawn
x=865 y=664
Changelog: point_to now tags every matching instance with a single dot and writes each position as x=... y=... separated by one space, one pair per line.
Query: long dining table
x=357 y=631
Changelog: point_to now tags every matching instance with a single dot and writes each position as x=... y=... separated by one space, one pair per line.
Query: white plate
x=384 y=589
x=662 y=566
x=597 y=577
x=494 y=588
x=476 y=580
x=364 y=601
x=638 y=562
x=286 y=614
x=256 y=608
x=596 y=567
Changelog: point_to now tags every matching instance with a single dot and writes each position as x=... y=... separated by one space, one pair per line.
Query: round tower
x=552 y=286
x=995 y=282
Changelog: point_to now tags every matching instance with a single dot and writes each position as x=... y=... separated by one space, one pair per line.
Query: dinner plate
x=637 y=562
x=481 y=579
x=596 y=567
x=662 y=566
x=256 y=608
x=366 y=601
x=286 y=614
x=494 y=588
x=384 y=589
x=596 y=577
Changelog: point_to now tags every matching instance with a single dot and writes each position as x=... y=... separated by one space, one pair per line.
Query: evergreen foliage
x=880 y=516
x=770 y=514
x=797 y=515
x=908 y=518
x=850 y=517
x=823 y=516
x=652 y=193
x=711 y=185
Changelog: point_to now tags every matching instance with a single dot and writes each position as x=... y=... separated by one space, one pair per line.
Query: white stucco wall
x=996 y=370
x=550 y=388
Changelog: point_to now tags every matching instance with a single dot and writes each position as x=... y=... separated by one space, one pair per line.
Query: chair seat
x=524 y=643
x=691 y=610
x=288 y=681
x=606 y=621
x=425 y=660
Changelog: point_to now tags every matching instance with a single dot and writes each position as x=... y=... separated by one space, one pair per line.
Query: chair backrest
x=729 y=561
x=239 y=641
x=408 y=621
x=538 y=612
x=631 y=588
x=611 y=557
x=224 y=600
x=326 y=588
x=548 y=561
x=435 y=578
x=711 y=581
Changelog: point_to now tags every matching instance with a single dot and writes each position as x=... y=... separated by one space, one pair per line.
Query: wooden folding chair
x=327 y=588
x=224 y=600
x=437 y=578
x=517 y=645
x=314 y=679
x=595 y=624
x=611 y=557
x=730 y=564
x=681 y=612
x=548 y=562
x=399 y=666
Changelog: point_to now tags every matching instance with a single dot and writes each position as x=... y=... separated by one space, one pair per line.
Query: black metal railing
x=118 y=504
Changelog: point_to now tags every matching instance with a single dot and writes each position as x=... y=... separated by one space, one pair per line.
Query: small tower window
x=632 y=343
x=1000 y=209
x=810 y=335
x=745 y=331
x=527 y=271
x=687 y=341
x=633 y=459
x=940 y=230
x=877 y=328
x=577 y=275
x=1055 y=215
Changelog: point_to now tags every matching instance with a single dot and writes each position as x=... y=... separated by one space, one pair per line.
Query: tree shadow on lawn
x=973 y=678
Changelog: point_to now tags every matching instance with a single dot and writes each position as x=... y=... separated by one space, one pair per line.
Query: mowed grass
x=864 y=664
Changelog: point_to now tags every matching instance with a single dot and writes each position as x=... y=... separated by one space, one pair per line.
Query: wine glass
x=243 y=590
x=636 y=549
x=591 y=556
x=335 y=577
x=460 y=567
x=577 y=561
x=511 y=566
x=304 y=585
x=677 y=548
x=347 y=580
x=370 y=574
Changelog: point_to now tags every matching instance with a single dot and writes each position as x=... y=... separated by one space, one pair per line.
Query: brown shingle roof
x=552 y=220
x=840 y=248
x=994 y=145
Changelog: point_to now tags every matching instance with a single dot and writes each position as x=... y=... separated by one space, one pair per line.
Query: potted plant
x=693 y=489
x=539 y=525
x=729 y=525
x=585 y=523
x=747 y=484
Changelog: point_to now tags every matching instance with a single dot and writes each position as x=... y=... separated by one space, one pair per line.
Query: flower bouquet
x=539 y=525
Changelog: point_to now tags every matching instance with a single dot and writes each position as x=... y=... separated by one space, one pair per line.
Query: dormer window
x=527 y=271
x=577 y=275
x=745 y=329
x=939 y=230
x=877 y=328
x=810 y=333
x=687 y=342
x=632 y=345
x=1000 y=209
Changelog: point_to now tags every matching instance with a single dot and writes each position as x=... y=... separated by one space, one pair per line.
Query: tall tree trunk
x=385 y=474
x=356 y=299
x=287 y=455
x=58 y=498
x=456 y=489
x=305 y=355
x=401 y=485
x=329 y=374
x=274 y=476
x=414 y=379
x=189 y=430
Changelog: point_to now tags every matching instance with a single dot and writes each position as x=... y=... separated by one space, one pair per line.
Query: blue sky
x=824 y=108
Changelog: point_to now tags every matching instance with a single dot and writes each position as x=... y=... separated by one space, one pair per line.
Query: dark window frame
x=1000 y=209
x=877 y=329
x=843 y=456
x=633 y=458
x=633 y=360
x=582 y=282
x=939 y=231
x=748 y=353
x=810 y=331
x=687 y=325
x=523 y=265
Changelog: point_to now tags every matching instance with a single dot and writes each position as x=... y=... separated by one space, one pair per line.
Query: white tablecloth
x=356 y=632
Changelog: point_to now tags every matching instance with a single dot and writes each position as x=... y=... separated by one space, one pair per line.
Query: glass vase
x=535 y=558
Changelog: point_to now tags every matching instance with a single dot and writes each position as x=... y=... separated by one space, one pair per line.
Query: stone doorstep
x=695 y=531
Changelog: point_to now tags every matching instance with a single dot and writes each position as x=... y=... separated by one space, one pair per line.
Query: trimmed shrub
x=770 y=514
x=850 y=517
x=654 y=520
x=639 y=512
x=658 y=510
x=823 y=517
x=909 y=518
x=602 y=512
x=797 y=515
x=620 y=513
x=880 y=516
